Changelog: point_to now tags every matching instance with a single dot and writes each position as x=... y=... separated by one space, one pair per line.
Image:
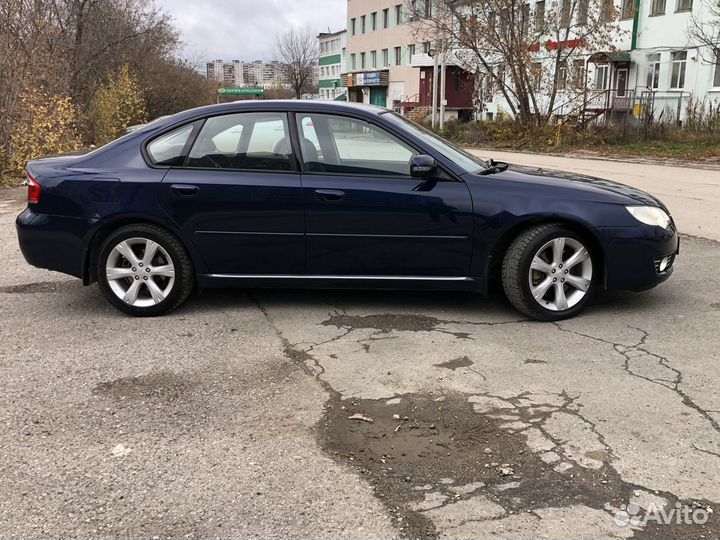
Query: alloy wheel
x=560 y=274
x=140 y=272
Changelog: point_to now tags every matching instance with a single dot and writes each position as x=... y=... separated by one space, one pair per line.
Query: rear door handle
x=329 y=194
x=185 y=190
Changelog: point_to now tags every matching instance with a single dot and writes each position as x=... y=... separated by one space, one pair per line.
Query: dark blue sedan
x=312 y=194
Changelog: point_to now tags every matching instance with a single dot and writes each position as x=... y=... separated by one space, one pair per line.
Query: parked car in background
x=328 y=194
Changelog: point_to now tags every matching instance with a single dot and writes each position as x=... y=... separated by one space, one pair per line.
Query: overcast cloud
x=245 y=29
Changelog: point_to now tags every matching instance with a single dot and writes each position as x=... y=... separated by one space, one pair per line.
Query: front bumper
x=633 y=256
x=53 y=242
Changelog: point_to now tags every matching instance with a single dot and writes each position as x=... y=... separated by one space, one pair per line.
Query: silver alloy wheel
x=560 y=274
x=140 y=272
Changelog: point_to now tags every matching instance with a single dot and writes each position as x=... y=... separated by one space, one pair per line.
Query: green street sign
x=249 y=90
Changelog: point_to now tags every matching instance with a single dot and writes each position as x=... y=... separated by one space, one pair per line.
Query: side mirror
x=422 y=166
x=499 y=165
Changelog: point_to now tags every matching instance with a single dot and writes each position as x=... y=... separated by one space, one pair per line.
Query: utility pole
x=442 y=87
x=433 y=54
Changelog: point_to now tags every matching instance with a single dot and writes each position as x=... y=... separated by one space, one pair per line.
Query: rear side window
x=246 y=141
x=167 y=149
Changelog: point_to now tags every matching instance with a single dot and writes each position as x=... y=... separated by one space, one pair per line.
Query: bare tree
x=530 y=57
x=704 y=30
x=298 y=50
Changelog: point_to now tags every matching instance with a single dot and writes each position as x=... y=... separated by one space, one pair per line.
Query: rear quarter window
x=167 y=149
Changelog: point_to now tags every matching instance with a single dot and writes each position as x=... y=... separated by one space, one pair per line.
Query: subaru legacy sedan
x=337 y=195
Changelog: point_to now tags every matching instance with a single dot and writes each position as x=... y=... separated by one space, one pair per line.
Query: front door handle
x=329 y=194
x=185 y=190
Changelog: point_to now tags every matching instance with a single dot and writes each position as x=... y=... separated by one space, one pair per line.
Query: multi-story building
x=652 y=68
x=238 y=73
x=331 y=63
x=380 y=47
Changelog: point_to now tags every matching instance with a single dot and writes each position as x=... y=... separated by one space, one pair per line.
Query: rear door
x=238 y=195
x=365 y=214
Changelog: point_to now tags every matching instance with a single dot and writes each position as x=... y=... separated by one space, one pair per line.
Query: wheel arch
x=498 y=250
x=104 y=229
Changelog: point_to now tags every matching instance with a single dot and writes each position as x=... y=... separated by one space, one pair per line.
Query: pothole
x=434 y=461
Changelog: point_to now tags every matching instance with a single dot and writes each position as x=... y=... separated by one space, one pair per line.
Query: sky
x=245 y=29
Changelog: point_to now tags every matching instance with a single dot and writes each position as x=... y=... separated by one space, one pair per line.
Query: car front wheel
x=144 y=270
x=548 y=272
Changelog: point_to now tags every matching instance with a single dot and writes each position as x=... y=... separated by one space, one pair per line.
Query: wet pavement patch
x=423 y=453
x=390 y=322
x=38 y=287
x=457 y=363
x=162 y=385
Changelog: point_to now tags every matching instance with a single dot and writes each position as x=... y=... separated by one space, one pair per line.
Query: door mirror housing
x=422 y=166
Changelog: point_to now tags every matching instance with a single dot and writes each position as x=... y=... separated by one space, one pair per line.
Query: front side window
x=679 y=60
x=653 y=74
x=167 y=150
x=342 y=145
x=246 y=141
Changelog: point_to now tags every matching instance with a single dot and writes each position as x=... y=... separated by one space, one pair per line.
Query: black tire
x=184 y=274
x=516 y=271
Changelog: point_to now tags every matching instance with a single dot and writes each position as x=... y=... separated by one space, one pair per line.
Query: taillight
x=34 y=189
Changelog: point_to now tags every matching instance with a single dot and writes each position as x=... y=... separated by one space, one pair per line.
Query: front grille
x=668 y=264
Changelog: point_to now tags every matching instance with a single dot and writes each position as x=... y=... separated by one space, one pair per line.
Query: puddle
x=424 y=454
x=162 y=385
x=390 y=322
x=37 y=288
x=457 y=363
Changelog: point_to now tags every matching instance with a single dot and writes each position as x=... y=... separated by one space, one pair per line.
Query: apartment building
x=380 y=47
x=653 y=68
x=331 y=64
x=239 y=73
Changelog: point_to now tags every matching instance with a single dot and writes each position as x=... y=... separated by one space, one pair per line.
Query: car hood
x=590 y=186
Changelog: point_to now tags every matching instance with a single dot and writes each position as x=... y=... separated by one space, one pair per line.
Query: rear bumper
x=53 y=242
x=633 y=254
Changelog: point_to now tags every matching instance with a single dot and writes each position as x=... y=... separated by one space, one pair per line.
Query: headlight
x=650 y=215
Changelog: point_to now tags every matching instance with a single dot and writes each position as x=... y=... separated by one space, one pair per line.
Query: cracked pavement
x=229 y=417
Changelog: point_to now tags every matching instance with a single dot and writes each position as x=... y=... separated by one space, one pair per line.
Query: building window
x=540 y=16
x=362 y=60
x=562 y=75
x=373 y=59
x=398 y=56
x=362 y=24
x=716 y=77
x=583 y=9
x=386 y=17
x=684 y=5
x=373 y=20
x=428 y=9
x=353 y=64
x=524 y=20
x=536 y=70
x=411 y=52
x=398 y=14
x=658 y=7
x=413 y=10
x=653 y=73
x=385 y=58
x=601 y=76
x=352 y=27
x=628 y=9
x=677 y=78
x=607 y=11
x=565 y=12
x=579 y=73
x=426 y=47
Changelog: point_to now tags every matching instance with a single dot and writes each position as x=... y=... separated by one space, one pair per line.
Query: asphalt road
x=229 y=417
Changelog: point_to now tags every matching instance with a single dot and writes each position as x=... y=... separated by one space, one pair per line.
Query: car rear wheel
x=144 y=270
x=548 y=273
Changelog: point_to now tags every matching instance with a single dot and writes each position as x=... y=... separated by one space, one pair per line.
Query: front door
x=366 y=216
x=238 y=196
x=378 y=96
x=622 y=82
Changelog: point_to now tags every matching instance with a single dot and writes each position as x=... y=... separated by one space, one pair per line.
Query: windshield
x=463 y=159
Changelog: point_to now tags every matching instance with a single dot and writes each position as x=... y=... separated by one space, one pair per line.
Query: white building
x=244 y=74
x=654 y=67
x=331 y=63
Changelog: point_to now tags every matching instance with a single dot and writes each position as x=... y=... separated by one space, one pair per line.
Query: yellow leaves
x=119 y=103
x=46 y=125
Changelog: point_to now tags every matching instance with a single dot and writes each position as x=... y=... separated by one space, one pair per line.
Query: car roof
x=276 y=105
